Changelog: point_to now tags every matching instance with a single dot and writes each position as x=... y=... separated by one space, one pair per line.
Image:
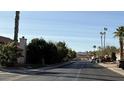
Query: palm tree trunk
x=16 y=29
x=121 y=49
x=101 y=42
x=104 y=40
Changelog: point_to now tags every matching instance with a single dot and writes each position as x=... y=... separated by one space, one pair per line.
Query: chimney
x=22 y=45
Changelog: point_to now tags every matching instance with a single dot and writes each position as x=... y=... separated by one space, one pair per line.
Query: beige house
x=118 y=56
x=22 y=45
x=83 y=55
x=5 y=40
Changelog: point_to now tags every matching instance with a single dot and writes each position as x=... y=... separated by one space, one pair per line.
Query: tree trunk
x=43 y=61
x=16 y=26
x=121 y=49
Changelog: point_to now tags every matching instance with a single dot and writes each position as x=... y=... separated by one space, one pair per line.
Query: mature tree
x=71 y=54
x=94 y=46
x=51 y=54
x=109 y=50
x=120 y=34
x=42 y=52
x=16 y=29
x=62 y=50
x=36 y=51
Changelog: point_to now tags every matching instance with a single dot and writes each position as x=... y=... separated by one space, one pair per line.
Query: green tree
x=51 y=54
x=71 y=54
x=109 y=49
x=94 y=46
x=120 y=34
x=42 y=52
x=62 y=50
x=36 y=51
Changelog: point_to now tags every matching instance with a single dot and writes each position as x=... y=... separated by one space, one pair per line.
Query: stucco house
x=5 y=40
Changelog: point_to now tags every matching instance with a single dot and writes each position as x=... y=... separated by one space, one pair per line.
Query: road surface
x=77 y=71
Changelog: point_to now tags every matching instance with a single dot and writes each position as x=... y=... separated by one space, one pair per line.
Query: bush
x=8 y=54
x=41 y=52
x=36 y=51
x=113 y=56
x=71 y=54
x=51 y=55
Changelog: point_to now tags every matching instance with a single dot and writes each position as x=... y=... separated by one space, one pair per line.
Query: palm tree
x=104 y=33
x=101 y=39
x=120 y=34
x=94 y=48
x=16 y=29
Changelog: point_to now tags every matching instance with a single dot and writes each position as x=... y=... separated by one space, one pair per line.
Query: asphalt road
x=77 y=71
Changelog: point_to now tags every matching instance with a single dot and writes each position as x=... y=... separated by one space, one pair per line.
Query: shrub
x=41 y=52
x=113 y=56
x=36 y=51
x=51 y=55
x=8 y=54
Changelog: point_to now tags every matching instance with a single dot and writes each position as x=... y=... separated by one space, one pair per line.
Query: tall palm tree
x=120 y=34
x=16 y=29
x=104 y=33
x=94 y=48
x=101 y=39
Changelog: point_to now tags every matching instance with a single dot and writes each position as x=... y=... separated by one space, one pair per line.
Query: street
x=76 y=71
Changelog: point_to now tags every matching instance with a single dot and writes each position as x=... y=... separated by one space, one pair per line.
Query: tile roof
x=5 y=39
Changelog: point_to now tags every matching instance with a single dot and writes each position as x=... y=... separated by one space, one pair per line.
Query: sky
x=79 y=29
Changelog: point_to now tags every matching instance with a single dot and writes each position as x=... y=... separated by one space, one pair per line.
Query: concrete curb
x=114 y=69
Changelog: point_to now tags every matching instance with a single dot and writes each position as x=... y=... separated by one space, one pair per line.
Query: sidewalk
x=113 y=67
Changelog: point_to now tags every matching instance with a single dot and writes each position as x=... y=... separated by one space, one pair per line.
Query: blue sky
x=80 y=30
